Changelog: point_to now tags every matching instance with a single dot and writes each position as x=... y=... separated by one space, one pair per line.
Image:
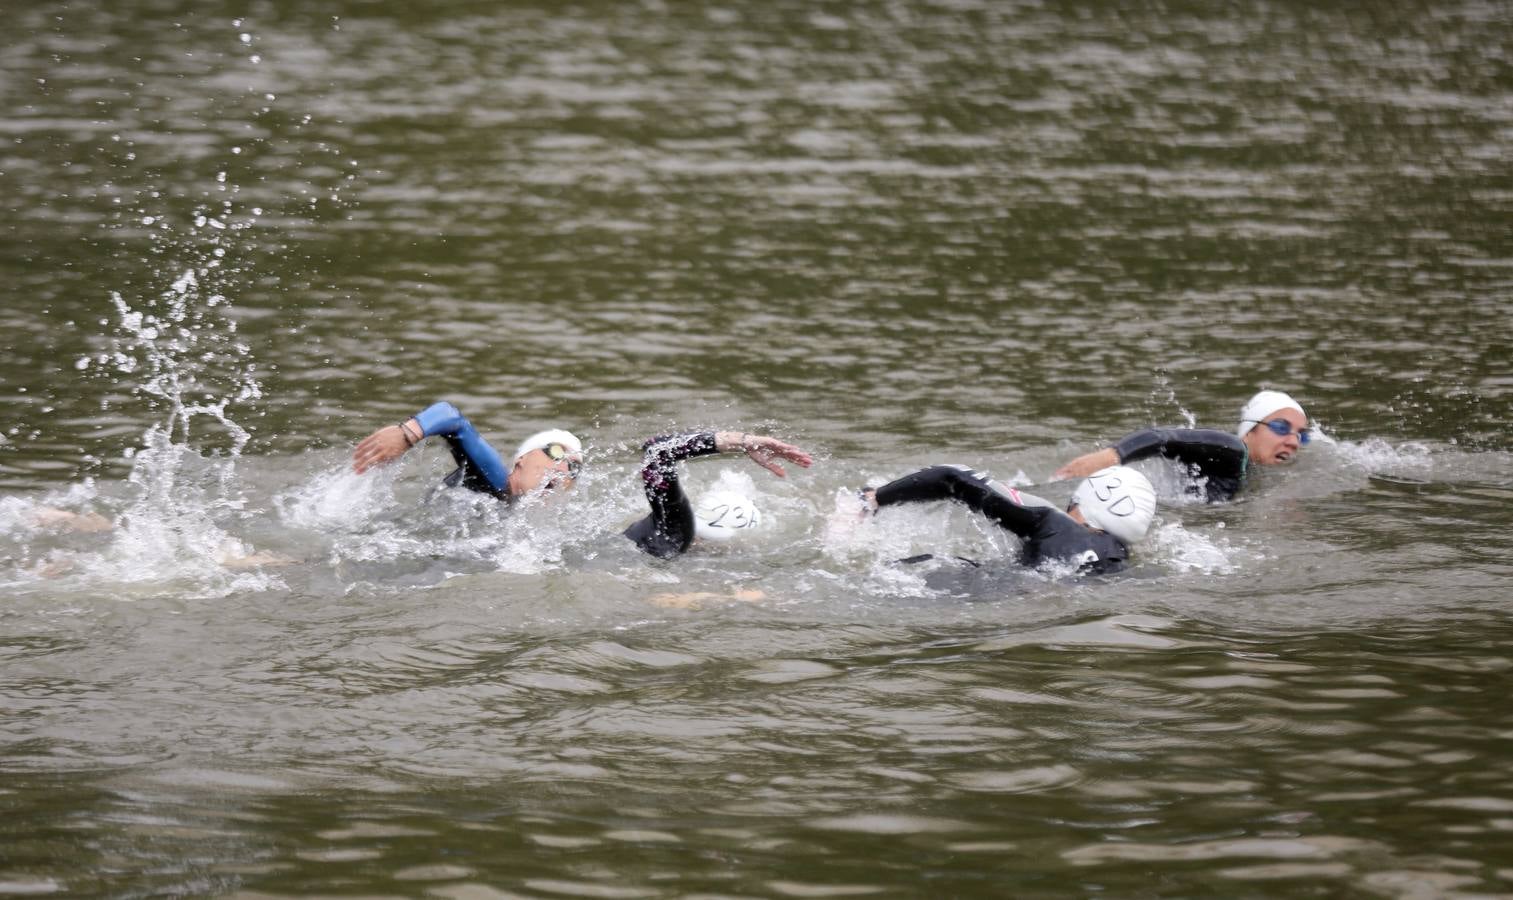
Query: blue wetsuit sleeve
x=669 y=530
x=1217 y=456
x=1022 y=514
x=483 y=467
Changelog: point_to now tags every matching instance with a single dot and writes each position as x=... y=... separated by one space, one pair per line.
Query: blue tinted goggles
x=1282 y=428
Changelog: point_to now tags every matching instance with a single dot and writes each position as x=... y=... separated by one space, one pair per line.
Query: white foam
x=1176 y=547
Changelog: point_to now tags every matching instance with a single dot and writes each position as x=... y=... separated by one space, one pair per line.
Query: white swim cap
x=723 y=514
x=1118 y=500
x=542 y=439
x=1265 y=403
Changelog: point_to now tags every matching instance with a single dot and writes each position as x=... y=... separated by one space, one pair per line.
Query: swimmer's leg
x=696 y=599
x=63 y=520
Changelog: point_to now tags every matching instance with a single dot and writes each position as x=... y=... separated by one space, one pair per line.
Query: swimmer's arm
x=385 y=445
x=1087 y=464
x=664 y=452
x=439 y=419
x=467 y=445
x=1006 y=507
x=763 y=450
x=1212 y=453
x=669 y=530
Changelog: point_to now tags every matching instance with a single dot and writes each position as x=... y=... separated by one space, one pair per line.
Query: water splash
x=1181 y=549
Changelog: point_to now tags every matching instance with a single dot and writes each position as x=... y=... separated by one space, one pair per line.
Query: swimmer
x=673 y=524
x=544 y=461
x=1110 y=511
x=1272 y=429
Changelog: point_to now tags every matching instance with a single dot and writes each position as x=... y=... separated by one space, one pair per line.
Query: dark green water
x=236 y=240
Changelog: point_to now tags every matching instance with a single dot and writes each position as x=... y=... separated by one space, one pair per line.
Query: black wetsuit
x=1217 y=457
x=1047 y=533
x=669 y=530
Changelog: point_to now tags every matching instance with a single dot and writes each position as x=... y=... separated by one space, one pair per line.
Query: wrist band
x=409 y=441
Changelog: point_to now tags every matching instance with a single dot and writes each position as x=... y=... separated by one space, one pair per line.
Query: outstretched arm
x=763 y=450
x=1087 y=464
x=1005 y=506
x=1218 y=456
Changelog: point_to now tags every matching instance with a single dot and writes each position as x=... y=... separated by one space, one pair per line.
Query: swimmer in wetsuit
x=671 y=527
x=1272 y=429
x=1111 y=510
x=545 y=460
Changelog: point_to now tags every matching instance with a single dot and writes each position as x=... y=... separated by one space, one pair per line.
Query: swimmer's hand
x=1087 y=464
x=764 y=451
x=385 y=445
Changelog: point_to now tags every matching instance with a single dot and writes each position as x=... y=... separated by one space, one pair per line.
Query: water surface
x=236 y=240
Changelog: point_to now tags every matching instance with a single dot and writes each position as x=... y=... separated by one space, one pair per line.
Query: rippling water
x=238 y=239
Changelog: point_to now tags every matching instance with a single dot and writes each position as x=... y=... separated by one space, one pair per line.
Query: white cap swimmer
x=724 y=514
x=1117 y=500
x=544 y=440
x=1262 y=406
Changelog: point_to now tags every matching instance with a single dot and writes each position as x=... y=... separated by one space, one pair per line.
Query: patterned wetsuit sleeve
x=482 y=467
x=1217 y=456
x=669 y=530
x=1019 y=513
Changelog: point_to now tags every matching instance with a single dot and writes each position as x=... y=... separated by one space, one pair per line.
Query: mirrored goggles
x=557 y=452
x=1282 y=428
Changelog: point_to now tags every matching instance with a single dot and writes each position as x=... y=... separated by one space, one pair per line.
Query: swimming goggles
x=1282 y=428
x=556 y=452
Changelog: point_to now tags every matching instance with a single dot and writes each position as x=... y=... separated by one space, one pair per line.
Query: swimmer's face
x=552 y=467
x=1269 y=448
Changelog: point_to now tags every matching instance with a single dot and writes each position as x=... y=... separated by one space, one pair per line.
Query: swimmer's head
x=1273 y=427
x=1117 y=500
x=725 y=514
x=547 y=458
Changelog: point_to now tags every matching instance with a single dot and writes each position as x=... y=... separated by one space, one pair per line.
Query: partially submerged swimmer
x=1110 y=511
x=1271 y=431
x=544 y=461
x=674 y=523
x=232 y=553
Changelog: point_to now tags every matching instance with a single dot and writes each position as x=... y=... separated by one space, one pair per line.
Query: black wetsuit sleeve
x=1217 y=456
x=669 y=530
x=1004 y=506
x=1047 y=532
